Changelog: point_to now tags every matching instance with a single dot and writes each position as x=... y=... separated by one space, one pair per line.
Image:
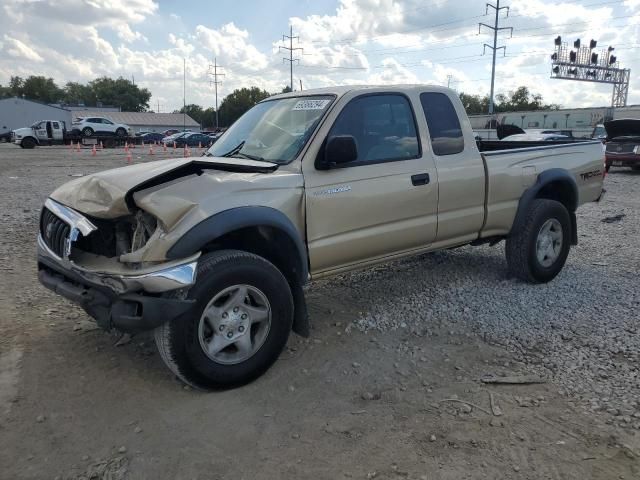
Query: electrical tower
x=290 y=48
x=213 y=71
x=584 y=64
x=496 y=28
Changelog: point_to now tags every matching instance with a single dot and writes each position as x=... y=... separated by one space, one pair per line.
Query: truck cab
x=44 y=132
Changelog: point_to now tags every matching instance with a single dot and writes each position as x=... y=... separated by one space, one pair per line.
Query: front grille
x=54 y=232
x=620 y=147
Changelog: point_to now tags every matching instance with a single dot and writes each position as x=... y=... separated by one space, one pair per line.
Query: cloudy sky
x=344 y=41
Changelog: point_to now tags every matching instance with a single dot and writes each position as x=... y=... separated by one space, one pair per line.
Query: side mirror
x=339 y=150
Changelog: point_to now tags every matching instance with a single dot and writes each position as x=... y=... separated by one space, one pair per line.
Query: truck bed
x=493 y=145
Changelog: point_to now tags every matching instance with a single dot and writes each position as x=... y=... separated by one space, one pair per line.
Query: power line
x=291 y=49
x=215 y=82
x=495 y=28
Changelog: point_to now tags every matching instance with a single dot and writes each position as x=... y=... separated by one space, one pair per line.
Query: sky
x=343 y=42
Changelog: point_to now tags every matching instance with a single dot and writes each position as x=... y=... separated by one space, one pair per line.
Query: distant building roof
x=140 y=118
x=21 y=99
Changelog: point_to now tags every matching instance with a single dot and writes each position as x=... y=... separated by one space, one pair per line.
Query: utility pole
x=184 y=94
x=449 y=77
x=496 y=28
x=290 y=48
x=215 y=82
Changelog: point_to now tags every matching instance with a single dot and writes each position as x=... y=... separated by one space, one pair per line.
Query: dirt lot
x=388 y=386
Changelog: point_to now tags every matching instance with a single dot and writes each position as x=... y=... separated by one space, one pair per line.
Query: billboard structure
x=585 y=64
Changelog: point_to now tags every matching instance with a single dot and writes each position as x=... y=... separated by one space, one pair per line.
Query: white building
x=16 y=112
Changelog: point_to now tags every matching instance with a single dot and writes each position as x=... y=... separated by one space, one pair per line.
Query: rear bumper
x=119 y=301
x=622 y=160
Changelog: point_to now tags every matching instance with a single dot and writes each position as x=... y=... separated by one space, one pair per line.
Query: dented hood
x=109 y=194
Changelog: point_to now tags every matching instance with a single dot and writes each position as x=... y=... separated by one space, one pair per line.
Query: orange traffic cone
x=71 y=145
x=93 y=150
x=199 y=144
x=126 y=146
x=101 y=146
x=78 y=146
x=129 y=159
x=164 y=147
x=174 y=146
x=151 y=150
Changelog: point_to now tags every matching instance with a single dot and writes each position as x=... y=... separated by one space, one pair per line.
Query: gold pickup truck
x=212 y=252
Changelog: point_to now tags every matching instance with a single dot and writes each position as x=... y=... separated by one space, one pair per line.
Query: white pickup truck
x=212 y=252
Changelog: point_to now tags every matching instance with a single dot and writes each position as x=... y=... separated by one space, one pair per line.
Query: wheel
x=238 y=327
x=28 y=142
x=121 y=132
x=87 y=131
x=539 y=250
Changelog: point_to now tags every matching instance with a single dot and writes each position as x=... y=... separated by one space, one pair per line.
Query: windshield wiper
x=234 y=150
x=251 y=157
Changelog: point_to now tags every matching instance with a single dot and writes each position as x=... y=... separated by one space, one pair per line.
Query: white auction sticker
x=310 y=104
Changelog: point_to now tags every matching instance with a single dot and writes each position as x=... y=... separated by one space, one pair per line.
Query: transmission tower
x=291 y=49
x=496 y=28
x=213 y=72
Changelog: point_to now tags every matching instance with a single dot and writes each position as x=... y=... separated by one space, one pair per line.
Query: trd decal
x=588 y=175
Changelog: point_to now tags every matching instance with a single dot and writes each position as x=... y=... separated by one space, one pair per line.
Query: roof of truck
x=344 y=89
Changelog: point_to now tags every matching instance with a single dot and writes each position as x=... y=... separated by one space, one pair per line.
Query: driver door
x=382 y=204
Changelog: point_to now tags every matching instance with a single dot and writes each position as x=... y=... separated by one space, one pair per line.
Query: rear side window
x=383 y=127
x=56 y=125
x=443 y=123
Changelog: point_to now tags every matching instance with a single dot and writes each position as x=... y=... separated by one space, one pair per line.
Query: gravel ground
x=389 y=386
x=582 y=330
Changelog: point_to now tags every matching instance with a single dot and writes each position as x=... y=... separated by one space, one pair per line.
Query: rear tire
x=190 y=346
x=538 y=251
x=87 y=131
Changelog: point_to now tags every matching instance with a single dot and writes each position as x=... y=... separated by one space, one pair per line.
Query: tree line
x=118 y=92
x=519 y=100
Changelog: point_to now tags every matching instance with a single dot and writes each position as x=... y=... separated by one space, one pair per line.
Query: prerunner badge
x=310 y=105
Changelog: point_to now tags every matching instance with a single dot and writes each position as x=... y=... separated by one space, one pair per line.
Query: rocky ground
x=395 y=382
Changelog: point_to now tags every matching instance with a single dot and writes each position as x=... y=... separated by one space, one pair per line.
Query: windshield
x=274 y=131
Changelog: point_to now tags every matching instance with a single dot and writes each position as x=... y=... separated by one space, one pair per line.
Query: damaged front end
x=92 y=262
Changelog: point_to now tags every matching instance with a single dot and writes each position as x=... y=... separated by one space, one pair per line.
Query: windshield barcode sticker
x=310 y=105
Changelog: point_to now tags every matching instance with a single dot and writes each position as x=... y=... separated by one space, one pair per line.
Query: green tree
x=120 y=92
x=521 y=99
x=238 y=102
x=286 y=89
x=475 y=104
x=77 y=93
x=194 y=111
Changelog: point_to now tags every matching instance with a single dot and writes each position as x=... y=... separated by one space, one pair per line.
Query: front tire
x=121 y=132
x=28 y=143
x=238 y=328
x=538 y=251
x=87 y=131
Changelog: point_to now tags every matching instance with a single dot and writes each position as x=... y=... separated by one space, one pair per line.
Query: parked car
x=599 y=132
x=172 y=138
x=89 y=126
x=213 y=252
x=194 y=140
x=623 y=143
x=152 y=137
x=170 y=132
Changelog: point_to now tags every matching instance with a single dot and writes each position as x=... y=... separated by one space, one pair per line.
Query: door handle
x=420 y=179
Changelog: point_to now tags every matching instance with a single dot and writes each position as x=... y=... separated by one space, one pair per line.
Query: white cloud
x=18 y=49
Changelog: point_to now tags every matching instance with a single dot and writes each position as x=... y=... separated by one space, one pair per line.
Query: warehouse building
x=143 y=121
x=16 y=112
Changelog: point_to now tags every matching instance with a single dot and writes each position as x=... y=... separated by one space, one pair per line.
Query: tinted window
x=382 y=125
x=93 y=120
x=443 y=123
x=56 y=125
x=108 y=122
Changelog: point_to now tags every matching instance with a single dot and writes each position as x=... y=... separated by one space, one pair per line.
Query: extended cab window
x=383 y=127
x=56 y=125
x=443 y=123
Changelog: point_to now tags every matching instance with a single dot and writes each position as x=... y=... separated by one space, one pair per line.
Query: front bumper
x=128 y=302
